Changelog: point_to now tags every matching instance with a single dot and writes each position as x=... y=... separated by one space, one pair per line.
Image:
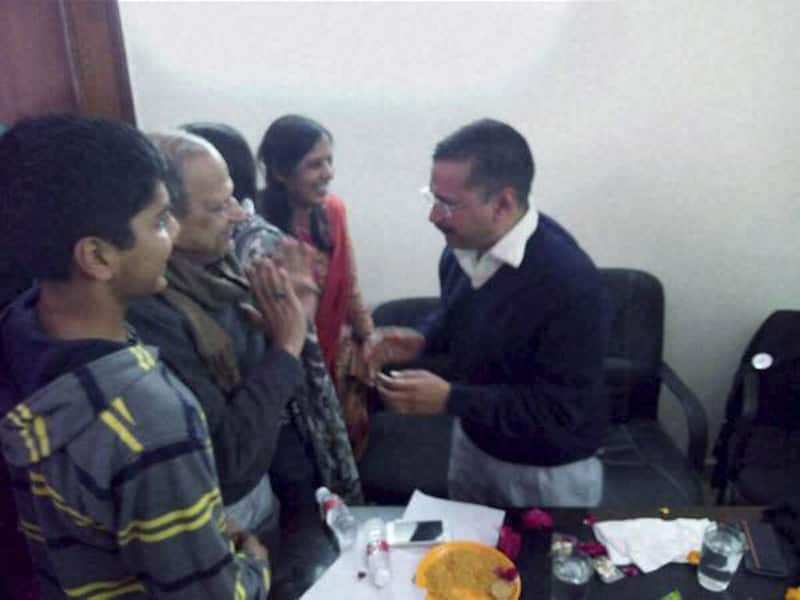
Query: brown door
x=62 y=56
x=55 y=56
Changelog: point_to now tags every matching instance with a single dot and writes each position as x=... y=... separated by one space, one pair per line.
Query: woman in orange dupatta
x=297 y=156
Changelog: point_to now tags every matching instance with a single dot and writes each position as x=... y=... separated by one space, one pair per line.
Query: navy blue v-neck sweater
x=527 y=350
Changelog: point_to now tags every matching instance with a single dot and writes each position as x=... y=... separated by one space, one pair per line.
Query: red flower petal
x=509 y=574
x=592 y=548
x=510 y=542
x=630 y=570
x=536 y=518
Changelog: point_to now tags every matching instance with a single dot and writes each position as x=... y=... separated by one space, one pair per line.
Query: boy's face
x=141 y=267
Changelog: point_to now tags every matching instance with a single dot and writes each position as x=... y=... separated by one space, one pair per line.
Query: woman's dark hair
x=285 y=143
x=237 y=154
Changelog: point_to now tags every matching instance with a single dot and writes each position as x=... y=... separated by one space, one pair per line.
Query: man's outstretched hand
x=414 y=391
x=390 y=345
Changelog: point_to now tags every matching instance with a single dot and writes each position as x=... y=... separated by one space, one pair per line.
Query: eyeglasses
x=447 y=207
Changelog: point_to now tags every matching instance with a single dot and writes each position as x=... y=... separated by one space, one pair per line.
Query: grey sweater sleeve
x=170 y=526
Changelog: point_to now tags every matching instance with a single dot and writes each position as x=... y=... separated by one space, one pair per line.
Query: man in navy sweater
x=524 y=319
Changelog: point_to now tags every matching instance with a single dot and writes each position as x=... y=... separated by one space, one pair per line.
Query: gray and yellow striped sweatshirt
x=114 y=479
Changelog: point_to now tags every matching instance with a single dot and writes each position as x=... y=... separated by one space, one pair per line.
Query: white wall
x=666 y=135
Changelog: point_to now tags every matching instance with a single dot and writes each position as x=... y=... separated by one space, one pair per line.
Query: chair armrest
x=627 y=383
x=696 y=419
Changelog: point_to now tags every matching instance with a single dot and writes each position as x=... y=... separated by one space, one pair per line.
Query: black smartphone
x=765 y=555
x=417 y=533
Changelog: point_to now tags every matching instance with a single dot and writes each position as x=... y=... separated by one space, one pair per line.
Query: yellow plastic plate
x=463 y=571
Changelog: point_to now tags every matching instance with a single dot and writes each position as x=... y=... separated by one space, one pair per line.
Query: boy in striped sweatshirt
x=108 y=453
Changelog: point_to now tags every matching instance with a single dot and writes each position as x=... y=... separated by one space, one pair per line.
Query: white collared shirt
x=509 y=250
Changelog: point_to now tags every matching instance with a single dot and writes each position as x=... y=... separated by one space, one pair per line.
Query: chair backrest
x=778 y=390
x=405 y=312
x=636 y=341
x=633 y=359
x=763 y=404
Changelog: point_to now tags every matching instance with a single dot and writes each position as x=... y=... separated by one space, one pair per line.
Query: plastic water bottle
x=338 y=517
x=377 y=552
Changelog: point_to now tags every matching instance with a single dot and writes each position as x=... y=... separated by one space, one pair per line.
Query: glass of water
x=571 y=574
x=723 y=547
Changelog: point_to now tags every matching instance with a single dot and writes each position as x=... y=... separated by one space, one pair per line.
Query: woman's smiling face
x=307 y=185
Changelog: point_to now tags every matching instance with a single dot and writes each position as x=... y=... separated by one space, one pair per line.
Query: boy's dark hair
x=499 y=154
x=237 y=154
x=63 y=178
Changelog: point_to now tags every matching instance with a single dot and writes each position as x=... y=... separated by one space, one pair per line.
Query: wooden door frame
x=63 y=56
x=93 y=34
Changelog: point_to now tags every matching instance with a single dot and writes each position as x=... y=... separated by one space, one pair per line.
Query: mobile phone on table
x=765 y=555
x=417 y=533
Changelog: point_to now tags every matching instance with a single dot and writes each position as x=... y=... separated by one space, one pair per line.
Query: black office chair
x=644 y=467
x=758 y=448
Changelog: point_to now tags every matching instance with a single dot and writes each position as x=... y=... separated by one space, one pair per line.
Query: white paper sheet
x=650 y=543
x=467 y=522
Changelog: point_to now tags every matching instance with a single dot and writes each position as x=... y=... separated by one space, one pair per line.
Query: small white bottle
x=337 y=516
x=377 y=552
